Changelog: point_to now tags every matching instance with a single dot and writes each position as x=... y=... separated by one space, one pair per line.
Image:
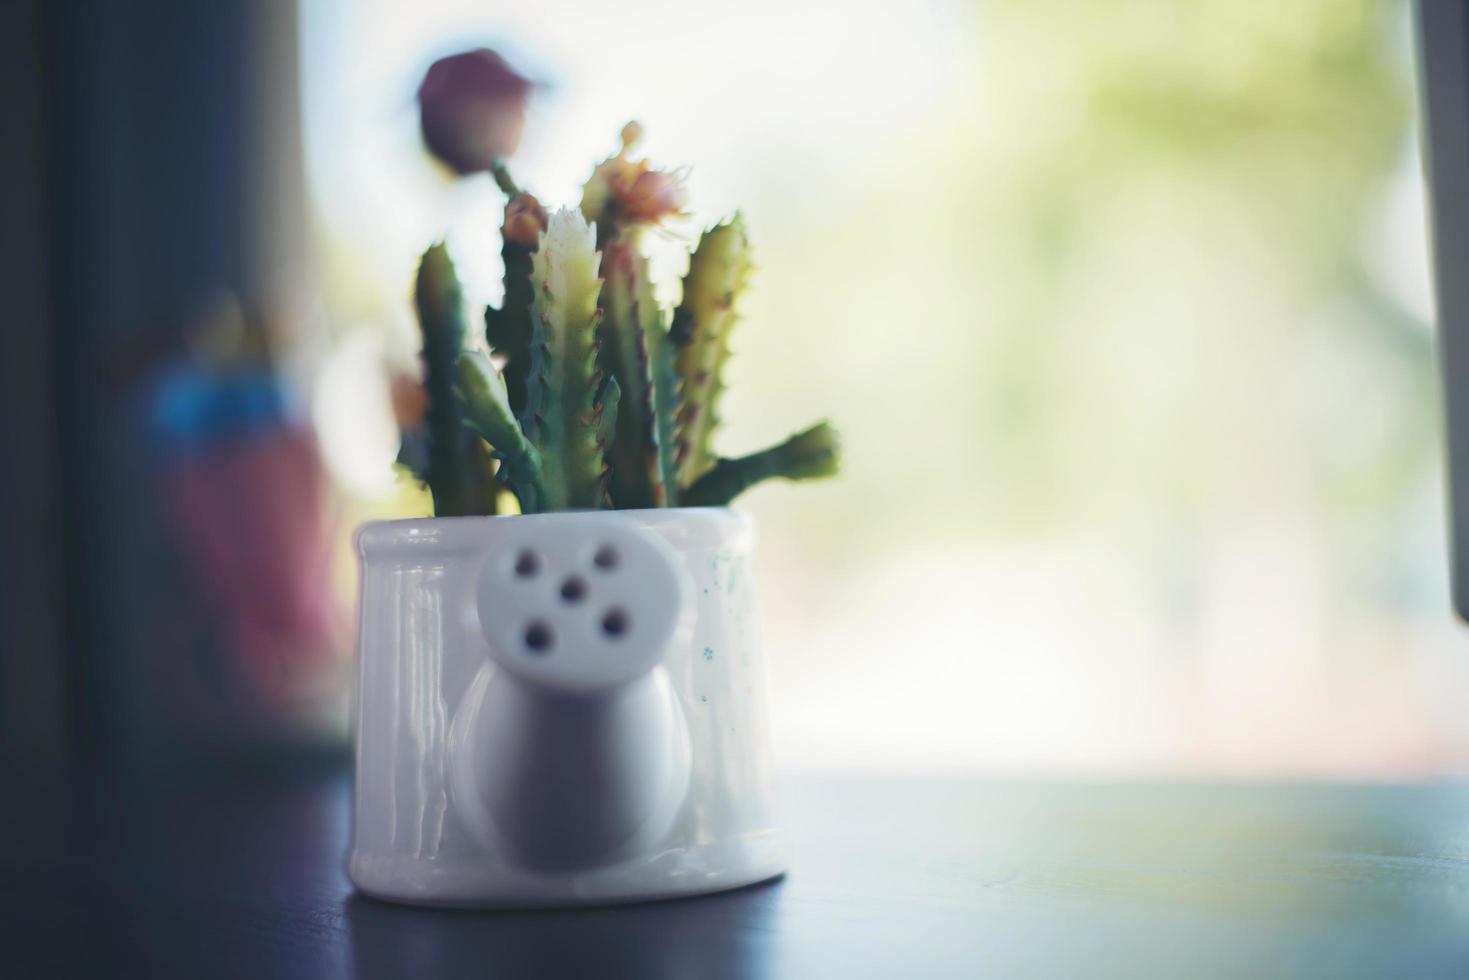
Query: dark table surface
x=242 y=876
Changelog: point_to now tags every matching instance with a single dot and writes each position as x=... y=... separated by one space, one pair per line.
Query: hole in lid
x=539 y=637
x=606 y=558
x=527 y=564
x=574 y=589
x=615 y=623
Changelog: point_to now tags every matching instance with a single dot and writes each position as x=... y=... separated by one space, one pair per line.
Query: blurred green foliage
x=1116 y=279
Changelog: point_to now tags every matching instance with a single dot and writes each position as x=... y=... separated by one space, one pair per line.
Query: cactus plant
x=595 y=396
x=566 y=400
x=638 y=353
x=508 y=328
x=718 y=272
x=453 y=471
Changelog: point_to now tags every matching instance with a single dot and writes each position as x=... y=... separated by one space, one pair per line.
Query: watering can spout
x=580 y=754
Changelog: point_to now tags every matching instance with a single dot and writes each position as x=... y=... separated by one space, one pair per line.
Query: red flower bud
x=525 y=219
x=472 y=109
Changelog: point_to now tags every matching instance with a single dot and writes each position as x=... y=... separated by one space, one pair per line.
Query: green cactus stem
x=637 y=353
x=563 y=413
x=586 y=405
x=718 y=272
x=508 y=328
x=804 y=456
x=486 y=405
x=453 y=471
x=607 y=406
x=503 y=180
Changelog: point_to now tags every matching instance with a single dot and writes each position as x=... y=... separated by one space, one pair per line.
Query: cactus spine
x=563 y=411
x=718 y=272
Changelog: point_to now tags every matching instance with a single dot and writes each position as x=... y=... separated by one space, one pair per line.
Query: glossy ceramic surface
x=560 y=709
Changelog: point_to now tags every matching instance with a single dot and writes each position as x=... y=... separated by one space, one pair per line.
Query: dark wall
x=152 y=162
x=32 y=641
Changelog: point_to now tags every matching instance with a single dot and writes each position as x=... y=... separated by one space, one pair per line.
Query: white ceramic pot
x=561 y=709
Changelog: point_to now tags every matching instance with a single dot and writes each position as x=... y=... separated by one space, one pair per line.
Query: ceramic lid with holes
x=581 y=606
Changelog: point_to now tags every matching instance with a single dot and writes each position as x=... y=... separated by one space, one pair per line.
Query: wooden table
x=242 y=876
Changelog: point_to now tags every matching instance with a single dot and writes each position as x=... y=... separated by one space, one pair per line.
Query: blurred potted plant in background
x=246 y=495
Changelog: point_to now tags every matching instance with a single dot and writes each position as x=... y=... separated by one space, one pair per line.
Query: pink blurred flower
x=623 y=192
x=653 y=196
x=249 y=516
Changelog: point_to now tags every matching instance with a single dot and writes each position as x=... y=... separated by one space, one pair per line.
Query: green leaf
x=481 y=391
x=486 y=403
